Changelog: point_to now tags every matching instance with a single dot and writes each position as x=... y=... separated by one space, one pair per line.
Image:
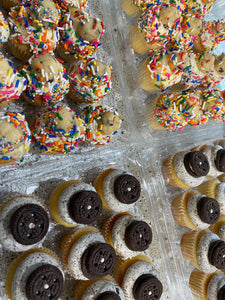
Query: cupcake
x=198 y=8
x=102 y=123
x=185 y=169
x=156 y=27
x=215 y=189
x=207 y=286
x=213 y=106
x=35 y=274
x=24 y=223
x=58 y=130
x=90 y=81
x=133 y=8
x=82 y=37
x=138 y=278
x=219 y=227
x=47 y=80
x=12 y=83
x=118 y=189
x=7 y=4
x=74 y=202
x=79 y=4
x=14 y=137
x=204 y=250
x=34 y=28
x=128 y=235
x=86 y=255
x=105 y=289
x=4 y=30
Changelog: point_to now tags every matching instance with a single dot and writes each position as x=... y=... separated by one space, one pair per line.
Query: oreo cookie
x=127 y=189
x=196 y=164
x=45 y=282
x=216 y=254
x=29 y=224
x=221 y=293
x=108 y=296
x=98 y=260
x=138 y=236
x=147 y=287
x=208 y=210
x=85 y=207
x=220 y=160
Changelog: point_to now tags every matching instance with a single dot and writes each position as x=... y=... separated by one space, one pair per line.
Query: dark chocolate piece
x=127 y=189
x=208 y=210
x=220 y=160
x=85 y=207
x=138 y=236
x=45 y=282
x=108 y=296
x=216 y=254
x=29 y=224
x=98 y=260
x=196 y=164
x=147 y=287
x=221 y=293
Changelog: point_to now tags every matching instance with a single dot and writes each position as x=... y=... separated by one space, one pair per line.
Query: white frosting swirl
x=214 y=285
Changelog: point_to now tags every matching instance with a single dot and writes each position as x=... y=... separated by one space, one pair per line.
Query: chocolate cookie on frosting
x=74 y=202
x=185 y=169
x=119 y=190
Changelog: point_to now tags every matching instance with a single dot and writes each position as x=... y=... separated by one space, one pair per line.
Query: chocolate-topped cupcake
x=185 y=169
x=86 y=255
x=128 y=235
x=138 y=279
x=34 y=275
x=24 y=222
x=74 y=202
x=119 y=190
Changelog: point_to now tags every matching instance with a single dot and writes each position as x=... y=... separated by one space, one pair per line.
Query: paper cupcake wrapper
x=198 y=283
x=151 y=117
x=208 y=188
x=144 y=78
x=130 y=8
x=221 y=178
x=216 y=227
x=19 y=50
x=137 y=40
x=179 y=209
x=189 y=244
x=53 y=202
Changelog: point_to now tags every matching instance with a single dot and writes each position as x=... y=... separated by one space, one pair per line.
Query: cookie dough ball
x=109 y=123
x=90 y=29
x=220 y=64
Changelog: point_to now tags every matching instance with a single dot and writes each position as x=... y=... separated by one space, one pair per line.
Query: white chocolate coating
x=220 y=196
x=214 y=285
x=77 y=250
x=6 y=238
x=192 y=210
x=101 y=286
x=210 y=152
x=65 y=196
x=181 y=172
x=25 y=268
x=202 y=252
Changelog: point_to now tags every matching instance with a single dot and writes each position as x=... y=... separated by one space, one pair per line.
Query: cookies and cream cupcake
x=24 y=223
x=74 y=202
x=219 y=227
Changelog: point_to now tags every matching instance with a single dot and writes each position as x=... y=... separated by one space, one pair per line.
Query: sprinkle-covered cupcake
x=15 y=137
x=90 y=81
x=185 y=169
x=213 y=105
x=4 y=30
x=118 y=189
x=47 y=80
x=79 y=4
x=128 y=235
x=138 y=278
x=58 y=130
x=80 y=36
x=86 y=255
x=133 y=8
x=194 y=210
x=34 y=274
x=102 y=123
x=204 y=250
x=24 y=223
x=74 y=202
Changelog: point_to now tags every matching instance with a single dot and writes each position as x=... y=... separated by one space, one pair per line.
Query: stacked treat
x=201 y=208
x=178 y=42
x=37 y=33
x=107 y=261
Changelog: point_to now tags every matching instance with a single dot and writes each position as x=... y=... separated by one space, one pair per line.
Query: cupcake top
x=82 y=37
x=4 y=29
x=212 y=103
x=90 y=79
x=102 y=123
x=199 y=7
x=58 y=130
x=24 y=222
x=14 y=136
x=35 y=23
x=46 y=78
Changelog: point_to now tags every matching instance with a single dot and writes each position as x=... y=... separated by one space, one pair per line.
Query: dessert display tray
x=136 y=148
